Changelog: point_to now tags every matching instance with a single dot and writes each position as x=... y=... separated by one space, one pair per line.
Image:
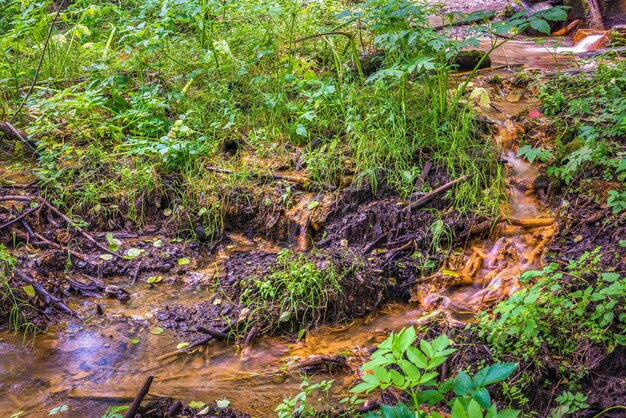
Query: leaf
x=427 y=348
x=56 y=410
x=133 y=253
x=154 y=279
x=416 y=357
x=482 y=397
x=494 y=373
x=167 y=212
x=196 y=404
x=457 y=410
x=157 y=331
x=462 y=384
x=223 y=403
x=182 y=345
x=135 y=341
x=540 y=25
x=508 y=413
x=183 y=261
x=473 y=410
x=405 y=339
x=106 y=257
x=301 y=130
x=29 y=290
x=157 y=244
x=313 y=204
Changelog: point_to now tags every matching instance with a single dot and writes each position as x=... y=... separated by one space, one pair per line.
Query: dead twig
x=424 y=200
x=43 y=294
x=130 y=413
x=20 y=217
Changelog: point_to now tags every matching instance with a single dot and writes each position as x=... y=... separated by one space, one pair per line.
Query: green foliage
x=568 y=403
x=294 y=292
x=13 y=300
x=559 y=310
x=596 y=110
x=399 y=364
x=616 y=201
x=531 y=154
x=299 y=405
x=114 y=412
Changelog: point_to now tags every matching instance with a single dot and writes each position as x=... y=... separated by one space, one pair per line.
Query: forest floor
x=230 y=211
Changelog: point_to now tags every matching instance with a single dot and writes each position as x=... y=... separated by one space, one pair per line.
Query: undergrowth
x=553 y=321
x=295 y=294
x=590 y=112
x=136 y=102
x=13 y=301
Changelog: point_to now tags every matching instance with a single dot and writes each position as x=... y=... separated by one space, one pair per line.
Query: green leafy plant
x=300 y=405
x=616 y=201
x=568 y=403
x=398 y=363
x=559 y=310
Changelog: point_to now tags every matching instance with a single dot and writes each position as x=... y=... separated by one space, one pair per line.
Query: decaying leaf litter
x=122 y=300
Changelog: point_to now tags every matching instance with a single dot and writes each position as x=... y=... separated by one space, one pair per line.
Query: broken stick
x=130 y=413
x=422 y=201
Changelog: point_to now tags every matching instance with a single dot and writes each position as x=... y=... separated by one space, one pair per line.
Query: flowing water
x=104 y=360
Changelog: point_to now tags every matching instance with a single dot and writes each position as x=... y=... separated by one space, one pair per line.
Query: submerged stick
x=130 y=413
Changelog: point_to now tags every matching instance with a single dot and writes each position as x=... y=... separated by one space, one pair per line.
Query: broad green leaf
x=182 y=345
x=508 y=413
x=417 y=357
x=183 y=261
x=135 y=341
x=482 y=397
x=494 y=373
x=223 y=403
x=301 y=130
x=313 y=204
x=29 y=290
x=473 y=410
x=397 y=379
x=440 y=343
x=462 y=384
x=427 y=348
x=457 y=410
x=540 y=25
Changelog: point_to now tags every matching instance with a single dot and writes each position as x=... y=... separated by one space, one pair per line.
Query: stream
x=93 y=360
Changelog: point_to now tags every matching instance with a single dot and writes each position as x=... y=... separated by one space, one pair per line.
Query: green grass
x=13 y=301
x=134 y=102
x=295 y=292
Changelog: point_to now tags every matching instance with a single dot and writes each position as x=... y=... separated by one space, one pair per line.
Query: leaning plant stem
x=609 y=409
x=41 y=57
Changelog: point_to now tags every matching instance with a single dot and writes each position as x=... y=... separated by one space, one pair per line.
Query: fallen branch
x=15 y=134
x=46 y=241
x=422 y=177
x=78 y=228
x=422 y=201
x=130 y=412
x=211 y=335
x=43 y=294
x=20 y=217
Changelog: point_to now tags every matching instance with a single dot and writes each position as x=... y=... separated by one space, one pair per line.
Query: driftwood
x=15 y=134
x=211 y=335
x=254 y=331
x=424 y=200
x=43 y=294
x=130 y=412
x=422 y=177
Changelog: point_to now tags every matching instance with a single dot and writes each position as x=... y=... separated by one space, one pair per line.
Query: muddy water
x=101 y=361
